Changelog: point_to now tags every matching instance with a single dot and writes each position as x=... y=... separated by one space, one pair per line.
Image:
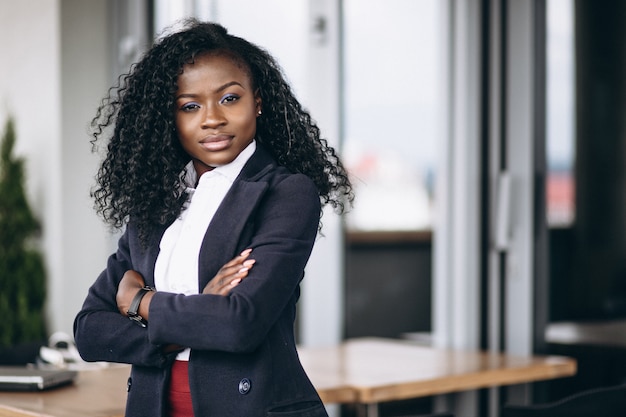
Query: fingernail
x=242 y=270
x=235 y=282
x=246 y=252
x=249 y=263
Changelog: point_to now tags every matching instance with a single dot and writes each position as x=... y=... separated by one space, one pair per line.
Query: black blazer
x=243 y=361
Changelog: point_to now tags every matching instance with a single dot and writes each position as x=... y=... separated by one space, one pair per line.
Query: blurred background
x=485 y=139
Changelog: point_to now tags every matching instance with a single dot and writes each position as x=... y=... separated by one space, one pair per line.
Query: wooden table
x=370 y=371
x=363 y=371
x=95 y=393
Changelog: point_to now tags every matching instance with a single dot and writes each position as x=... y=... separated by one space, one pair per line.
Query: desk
x=363 y=371
x=369 y=371
x=96 y=393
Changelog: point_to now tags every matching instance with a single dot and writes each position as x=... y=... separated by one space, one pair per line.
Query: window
x=560 y=120
x=390 y=111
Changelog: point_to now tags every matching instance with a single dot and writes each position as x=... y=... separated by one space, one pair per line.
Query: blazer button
x=244 y=386
x=129 y=383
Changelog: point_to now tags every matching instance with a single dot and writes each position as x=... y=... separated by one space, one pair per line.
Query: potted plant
x=22 y=271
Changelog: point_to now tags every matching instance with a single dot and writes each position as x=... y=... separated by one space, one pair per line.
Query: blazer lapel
x=225 y=230
x=148 y=260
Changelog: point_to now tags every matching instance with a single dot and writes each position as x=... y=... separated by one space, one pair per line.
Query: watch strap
x=133 y=310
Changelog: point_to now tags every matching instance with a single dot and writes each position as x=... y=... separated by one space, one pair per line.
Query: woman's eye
x=229 y=98
x=190 y=106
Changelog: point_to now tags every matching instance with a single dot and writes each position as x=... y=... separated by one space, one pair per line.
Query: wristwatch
x=134 y=306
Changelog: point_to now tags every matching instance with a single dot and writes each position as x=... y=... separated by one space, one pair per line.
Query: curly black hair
x=142 y=175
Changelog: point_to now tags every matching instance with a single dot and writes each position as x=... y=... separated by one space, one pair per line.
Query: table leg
x=368 y=410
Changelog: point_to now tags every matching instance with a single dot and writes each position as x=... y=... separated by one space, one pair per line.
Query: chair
x=599 y=402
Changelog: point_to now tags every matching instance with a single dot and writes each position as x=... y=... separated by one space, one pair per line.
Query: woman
x=218 y=175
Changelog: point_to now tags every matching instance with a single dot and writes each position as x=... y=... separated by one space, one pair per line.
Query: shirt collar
x=232 y=170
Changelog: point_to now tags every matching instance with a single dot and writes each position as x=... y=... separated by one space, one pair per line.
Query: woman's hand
x=230 y=275
x=131 y=283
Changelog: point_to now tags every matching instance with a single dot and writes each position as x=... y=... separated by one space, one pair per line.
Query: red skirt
x=179 y=392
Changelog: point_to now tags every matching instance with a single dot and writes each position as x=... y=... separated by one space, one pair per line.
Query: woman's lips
x=216 y=142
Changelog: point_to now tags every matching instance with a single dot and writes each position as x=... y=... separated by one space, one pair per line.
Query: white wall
x=30 y=91
x=85 y=78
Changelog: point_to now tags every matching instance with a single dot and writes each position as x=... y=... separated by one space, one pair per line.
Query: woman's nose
x=213 y=116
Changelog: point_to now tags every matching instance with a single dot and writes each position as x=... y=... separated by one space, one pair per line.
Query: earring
x=260 y=112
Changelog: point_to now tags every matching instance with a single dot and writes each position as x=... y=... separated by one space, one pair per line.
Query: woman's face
x=216 y=111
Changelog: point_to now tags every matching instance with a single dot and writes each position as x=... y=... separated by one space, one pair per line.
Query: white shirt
x=176 y=268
